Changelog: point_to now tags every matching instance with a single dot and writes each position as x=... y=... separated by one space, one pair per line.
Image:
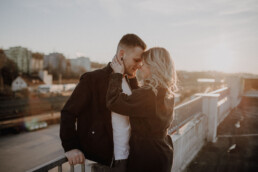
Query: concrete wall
x=236 y=85
x=190 y=138
x=188 y=142
x=224 y=108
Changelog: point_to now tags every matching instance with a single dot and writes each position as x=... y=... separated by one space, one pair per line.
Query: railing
x=224 y=106
x=55 y=163
x=223 y=92
x=185 y=112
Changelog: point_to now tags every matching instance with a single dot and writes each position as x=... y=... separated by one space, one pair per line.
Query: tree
x=8 y=70
x=97 y=65
x=38 y=55
x=2 y=62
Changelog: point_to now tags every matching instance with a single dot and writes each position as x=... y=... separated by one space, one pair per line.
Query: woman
x=150 y=109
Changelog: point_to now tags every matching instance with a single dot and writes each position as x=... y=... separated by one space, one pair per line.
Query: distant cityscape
x=23 y=69
x=35 y=86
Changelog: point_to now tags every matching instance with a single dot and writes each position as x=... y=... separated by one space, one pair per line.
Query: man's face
x=132 y=60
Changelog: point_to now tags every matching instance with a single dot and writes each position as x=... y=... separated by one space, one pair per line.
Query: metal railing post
x=71 y=168
x=60 y=168
x=82 y=167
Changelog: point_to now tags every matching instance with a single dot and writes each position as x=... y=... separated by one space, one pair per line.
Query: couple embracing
x=119 y=121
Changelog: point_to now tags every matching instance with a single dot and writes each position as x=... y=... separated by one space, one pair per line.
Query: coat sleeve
x=137 y=104
x=69 y=114
x=133 y=83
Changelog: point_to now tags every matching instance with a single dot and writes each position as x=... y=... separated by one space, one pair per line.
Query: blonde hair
x=163 y=72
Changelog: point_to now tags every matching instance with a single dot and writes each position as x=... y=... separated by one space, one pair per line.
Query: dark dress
x=151 y=149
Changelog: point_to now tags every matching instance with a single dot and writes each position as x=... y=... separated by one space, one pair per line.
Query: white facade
x=36 y=65
x=24 y=59
x=19 y=84
x=21 y=56
x=55 y=61
x=45 y=77
x=44 y=88
x=69 y=87
x=56 y=88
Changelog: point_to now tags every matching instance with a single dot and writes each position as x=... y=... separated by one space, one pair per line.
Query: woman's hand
x=117 y=65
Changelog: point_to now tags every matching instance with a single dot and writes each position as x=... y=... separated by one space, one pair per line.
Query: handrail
x=185 y=112
x=188 y=110
x=219 y=90
x=223 y=92
x=55 y=163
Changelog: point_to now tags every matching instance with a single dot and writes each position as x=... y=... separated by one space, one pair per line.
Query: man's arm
x=69 y=114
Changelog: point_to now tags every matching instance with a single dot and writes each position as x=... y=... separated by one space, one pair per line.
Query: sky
x=200 y=35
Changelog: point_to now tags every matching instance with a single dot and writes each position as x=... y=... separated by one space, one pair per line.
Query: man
x=88 y=128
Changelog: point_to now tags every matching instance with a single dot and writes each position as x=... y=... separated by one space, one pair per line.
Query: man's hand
x=75 y=156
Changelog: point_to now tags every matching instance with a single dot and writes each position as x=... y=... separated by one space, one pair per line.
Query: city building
x=79 y=64
x=26 y=82
x=21 y=56
x=36 y=63
x=54 y=61
x=27 y=62
x=19 y=84
x=45 y=77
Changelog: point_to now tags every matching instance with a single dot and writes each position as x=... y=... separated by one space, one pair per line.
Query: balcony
x=216 y=131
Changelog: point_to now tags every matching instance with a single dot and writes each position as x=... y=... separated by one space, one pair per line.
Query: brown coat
x=151 y=149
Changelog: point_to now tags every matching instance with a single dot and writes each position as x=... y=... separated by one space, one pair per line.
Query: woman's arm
x=139 y=103
x=133 y=83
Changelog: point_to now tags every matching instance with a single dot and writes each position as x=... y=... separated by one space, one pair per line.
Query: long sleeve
x=133 y=83
x=69 y=114
x=139 y=103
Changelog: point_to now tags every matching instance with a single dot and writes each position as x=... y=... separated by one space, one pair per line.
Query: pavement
x=236 y=148
x=21 y=152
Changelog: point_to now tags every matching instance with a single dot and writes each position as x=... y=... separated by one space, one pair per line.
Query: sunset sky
x=200 y=35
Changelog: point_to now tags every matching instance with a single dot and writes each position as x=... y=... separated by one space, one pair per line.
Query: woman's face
x=144 y=71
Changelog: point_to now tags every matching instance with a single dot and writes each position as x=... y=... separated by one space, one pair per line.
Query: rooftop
x=236 y=148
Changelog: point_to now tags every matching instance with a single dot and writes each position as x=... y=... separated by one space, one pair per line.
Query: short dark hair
x=132 y=40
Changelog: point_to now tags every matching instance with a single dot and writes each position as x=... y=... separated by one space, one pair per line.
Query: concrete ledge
x=188 y=142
